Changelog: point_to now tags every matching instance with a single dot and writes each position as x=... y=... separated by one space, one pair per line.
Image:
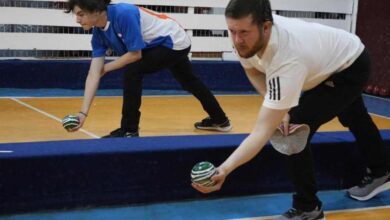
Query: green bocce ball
x=202 y=172
x=70 y=121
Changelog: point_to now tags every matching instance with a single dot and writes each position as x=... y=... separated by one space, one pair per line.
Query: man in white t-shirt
x=146 y=42
x=308 y=74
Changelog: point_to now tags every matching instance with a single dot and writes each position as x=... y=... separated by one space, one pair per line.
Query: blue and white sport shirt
x=130 y=28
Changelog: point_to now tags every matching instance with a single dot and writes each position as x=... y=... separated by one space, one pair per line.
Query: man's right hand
x=218 y=178
x=82 y=118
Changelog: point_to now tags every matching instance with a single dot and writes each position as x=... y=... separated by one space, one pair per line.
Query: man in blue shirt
x=146 y=42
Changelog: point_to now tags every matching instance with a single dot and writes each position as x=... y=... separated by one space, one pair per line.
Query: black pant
x=339 y=96
x=155 y=59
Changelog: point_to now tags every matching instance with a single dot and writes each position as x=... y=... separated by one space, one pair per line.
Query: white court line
x=327 y=212
x=6 y=151
x=51 y=116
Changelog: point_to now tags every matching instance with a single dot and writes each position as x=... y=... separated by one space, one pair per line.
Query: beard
x=247 y=52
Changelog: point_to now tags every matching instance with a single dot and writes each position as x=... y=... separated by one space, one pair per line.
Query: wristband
x=85 y=114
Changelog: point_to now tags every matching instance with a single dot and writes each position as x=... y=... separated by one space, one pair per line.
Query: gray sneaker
x=295 y=214
x=370 y=187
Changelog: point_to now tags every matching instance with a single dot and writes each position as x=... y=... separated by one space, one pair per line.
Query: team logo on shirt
x=274 y=88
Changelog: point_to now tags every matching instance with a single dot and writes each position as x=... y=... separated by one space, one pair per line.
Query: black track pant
x=177 y=62
x=339 y=96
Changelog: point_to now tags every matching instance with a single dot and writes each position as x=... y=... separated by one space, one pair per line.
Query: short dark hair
x=259 y=9
x=88 y=5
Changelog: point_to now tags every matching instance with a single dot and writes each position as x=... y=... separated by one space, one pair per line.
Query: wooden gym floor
x=38 y=119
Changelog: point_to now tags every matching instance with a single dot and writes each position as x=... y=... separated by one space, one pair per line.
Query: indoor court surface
x=30 y=119
x=38 y=118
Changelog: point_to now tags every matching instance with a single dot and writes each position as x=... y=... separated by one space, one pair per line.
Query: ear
x=267 y=27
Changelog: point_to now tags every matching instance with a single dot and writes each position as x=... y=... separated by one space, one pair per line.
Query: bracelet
x=85 y=114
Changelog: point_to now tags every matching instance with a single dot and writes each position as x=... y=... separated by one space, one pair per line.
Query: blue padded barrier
x=71 y=74
x=102 y=172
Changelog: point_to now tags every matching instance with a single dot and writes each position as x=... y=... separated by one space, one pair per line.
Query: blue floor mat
x=227 y=208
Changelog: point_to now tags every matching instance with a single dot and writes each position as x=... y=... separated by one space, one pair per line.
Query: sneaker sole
x=375 y=192
x=224 y=129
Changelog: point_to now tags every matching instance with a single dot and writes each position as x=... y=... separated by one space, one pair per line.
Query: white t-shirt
x=299 y=56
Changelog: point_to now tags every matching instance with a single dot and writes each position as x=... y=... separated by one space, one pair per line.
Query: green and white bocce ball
x=202 y=172
x=70 y=121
